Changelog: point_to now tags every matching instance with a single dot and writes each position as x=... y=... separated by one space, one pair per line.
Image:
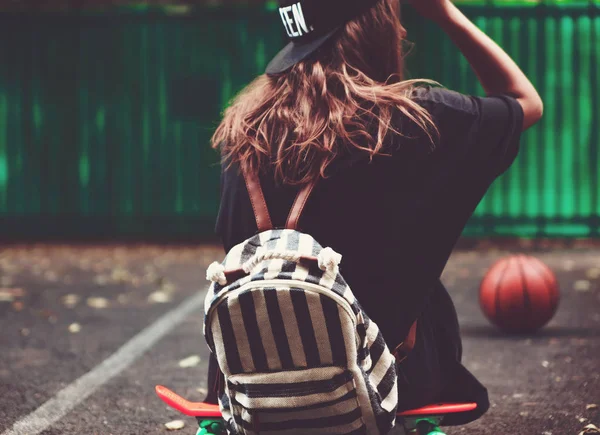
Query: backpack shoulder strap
x=259 y=205
x=296 y=211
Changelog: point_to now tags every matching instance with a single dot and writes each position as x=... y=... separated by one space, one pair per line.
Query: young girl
x=401 y=166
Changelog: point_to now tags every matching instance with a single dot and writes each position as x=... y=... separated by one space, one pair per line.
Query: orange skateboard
x=421 y=421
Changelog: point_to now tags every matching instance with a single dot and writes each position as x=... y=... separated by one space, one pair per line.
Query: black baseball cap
x=309 y=24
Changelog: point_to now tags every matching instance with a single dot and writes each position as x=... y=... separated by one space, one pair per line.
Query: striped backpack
x=296 y=351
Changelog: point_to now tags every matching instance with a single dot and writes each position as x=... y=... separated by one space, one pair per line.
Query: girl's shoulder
x=484 y=131
x=436 y=98
x=439 y=100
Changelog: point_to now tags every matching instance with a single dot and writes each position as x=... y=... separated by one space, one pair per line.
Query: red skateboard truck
x=421 y=421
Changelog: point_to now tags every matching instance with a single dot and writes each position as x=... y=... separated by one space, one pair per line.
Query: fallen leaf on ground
x=96 y=302
x=51 y=276
x=582 y=285
x=8 y=294
x=593 y=273
x=175 y=425
x=159 y=297
x=591 y=406
x=70 y=300
x=74 y=328
x=120 y=275
x=545 y=364
x=190 y=361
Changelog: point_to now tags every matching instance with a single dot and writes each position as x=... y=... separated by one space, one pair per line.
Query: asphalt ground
x=65 y=311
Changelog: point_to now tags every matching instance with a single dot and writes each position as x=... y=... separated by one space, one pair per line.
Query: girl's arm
x=496 y=71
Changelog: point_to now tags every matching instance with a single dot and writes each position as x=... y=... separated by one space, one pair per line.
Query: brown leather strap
x=403 y=349
x=296 y=211
x=259 y=205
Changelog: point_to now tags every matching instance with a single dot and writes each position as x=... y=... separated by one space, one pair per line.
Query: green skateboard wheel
x=211 y=427
x=428 y=427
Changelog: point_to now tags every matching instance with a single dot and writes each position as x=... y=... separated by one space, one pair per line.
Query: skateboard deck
x=208 y=410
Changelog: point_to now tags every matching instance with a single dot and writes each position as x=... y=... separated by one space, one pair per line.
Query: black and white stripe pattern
x=297 y=350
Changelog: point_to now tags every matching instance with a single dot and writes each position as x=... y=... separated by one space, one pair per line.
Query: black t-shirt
x=396 y=219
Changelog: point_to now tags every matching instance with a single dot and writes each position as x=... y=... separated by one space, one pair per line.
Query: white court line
x=75 y=393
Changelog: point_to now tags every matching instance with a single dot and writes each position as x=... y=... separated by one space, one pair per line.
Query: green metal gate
x=105 y=119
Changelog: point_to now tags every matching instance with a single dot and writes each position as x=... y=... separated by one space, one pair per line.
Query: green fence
x=105 y=119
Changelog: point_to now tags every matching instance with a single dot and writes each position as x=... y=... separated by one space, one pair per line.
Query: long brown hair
x=298 y=121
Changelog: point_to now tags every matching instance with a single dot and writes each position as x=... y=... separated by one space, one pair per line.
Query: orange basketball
x=519 y=294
